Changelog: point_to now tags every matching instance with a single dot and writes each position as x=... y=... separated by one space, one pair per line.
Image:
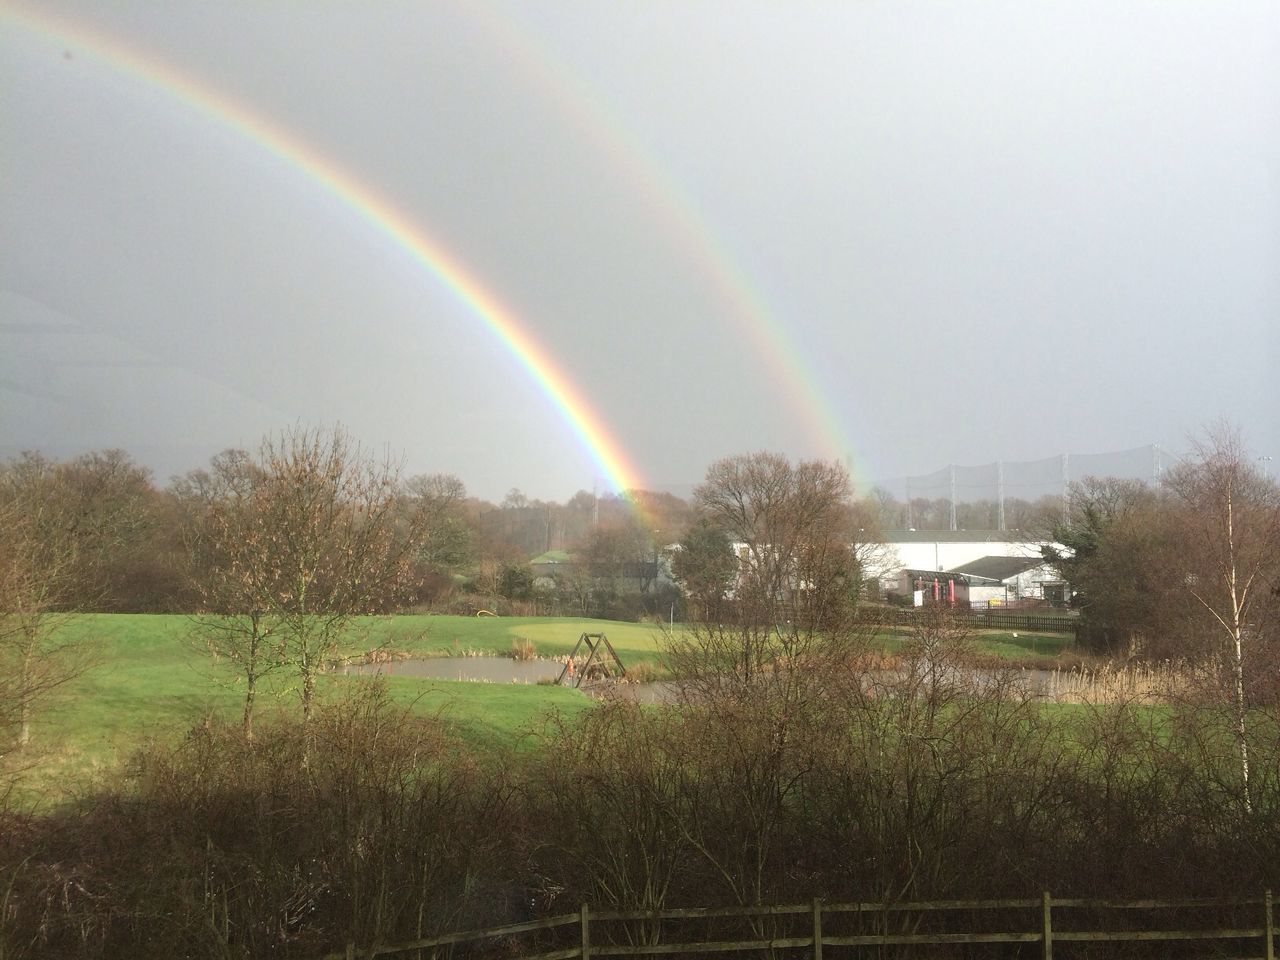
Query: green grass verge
x=150 y=680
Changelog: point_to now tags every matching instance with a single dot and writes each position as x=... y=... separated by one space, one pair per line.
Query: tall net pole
x=951 y=470
x=999 y=494
x=1066 y=483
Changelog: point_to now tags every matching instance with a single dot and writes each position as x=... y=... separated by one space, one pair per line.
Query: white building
x=948 y=549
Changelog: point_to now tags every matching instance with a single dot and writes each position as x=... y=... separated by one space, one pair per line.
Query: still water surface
x=505 y=670
x=490 y=669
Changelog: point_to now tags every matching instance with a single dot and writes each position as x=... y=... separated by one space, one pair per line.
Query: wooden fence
x=852 y=929
x=996 y=619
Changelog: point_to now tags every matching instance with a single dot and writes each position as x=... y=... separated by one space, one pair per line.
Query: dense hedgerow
x=374 y=825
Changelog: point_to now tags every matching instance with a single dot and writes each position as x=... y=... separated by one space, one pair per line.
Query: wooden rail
x=596 y=931
x=994 y=619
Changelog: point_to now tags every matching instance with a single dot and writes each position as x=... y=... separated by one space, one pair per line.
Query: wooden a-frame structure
x=601 y=653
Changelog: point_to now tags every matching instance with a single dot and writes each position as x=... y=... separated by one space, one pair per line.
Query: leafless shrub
x=288 y=547
x=230 y=847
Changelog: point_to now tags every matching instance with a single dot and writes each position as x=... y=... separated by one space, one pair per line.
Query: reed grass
x=522 y=649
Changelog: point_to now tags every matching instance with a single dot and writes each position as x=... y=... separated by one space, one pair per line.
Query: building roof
x=959 y=536
x=998 y=568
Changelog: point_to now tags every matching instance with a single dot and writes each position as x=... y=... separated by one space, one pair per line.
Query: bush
x=369 y=825
x=843 y=780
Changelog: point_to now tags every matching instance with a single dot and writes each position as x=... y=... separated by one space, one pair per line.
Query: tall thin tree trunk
x=250 y=689
x=1241 y=740
x=308 y=693
x=1238 y=639
x=25 y=693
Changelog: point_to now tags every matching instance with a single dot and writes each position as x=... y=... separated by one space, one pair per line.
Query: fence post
x=584 y=918
x=1270 y=927
x=351 y=950
x=817 y=928
x=1046 y=928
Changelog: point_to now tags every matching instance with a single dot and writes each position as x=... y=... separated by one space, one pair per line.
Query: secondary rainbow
x=791 y=374
x=374 y=209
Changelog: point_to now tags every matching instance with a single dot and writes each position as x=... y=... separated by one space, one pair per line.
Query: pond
x=486 y=669
x=1044 y=684
x=505 y=670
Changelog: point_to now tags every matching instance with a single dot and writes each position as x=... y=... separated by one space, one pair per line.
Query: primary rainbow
x=374 y=209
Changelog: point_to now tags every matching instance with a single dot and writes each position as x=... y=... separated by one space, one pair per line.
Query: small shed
x=934 y=586
x=987 y=582
x=997 y=580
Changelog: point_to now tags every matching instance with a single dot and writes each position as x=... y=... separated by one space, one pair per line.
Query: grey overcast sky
x=910 y=233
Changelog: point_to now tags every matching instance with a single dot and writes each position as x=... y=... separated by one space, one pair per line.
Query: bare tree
x=41 y=571
x=227 y=561
x=752 y=677
x=439 y=498
x=1229 y=520
x=308 y=537
x=622 y=557
x=111 y=510
x=795 y=594
x=874 y=561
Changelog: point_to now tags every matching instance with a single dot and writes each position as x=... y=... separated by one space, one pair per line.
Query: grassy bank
x=150 y=679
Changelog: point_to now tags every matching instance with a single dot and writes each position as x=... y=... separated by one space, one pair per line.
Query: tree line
x=272 y=553
x=131 y=536
x=793 y=761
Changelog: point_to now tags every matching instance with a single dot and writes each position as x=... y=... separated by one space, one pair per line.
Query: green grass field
x=151 y=680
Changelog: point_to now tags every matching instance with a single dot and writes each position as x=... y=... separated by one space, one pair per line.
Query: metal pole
x=1000 y=494
x=1066 y=482
x=951 y=470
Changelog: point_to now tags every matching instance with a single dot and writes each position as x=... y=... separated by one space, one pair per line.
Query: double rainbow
x=798 y=385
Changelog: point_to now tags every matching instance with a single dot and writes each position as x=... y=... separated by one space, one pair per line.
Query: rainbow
x=800 y=385
x=369 y=206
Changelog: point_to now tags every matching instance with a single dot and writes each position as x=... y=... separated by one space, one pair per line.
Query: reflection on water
x=1046 y=684
x=491 y=669
x=505 y=670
